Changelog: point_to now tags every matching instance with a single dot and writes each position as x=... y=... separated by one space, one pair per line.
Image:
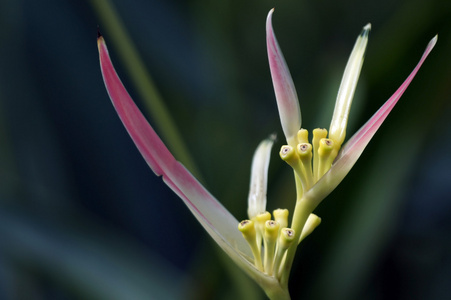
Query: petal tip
x=101 y=45
x=365 y=30
x=433 y=41
x=272 y=137
x=269 y=18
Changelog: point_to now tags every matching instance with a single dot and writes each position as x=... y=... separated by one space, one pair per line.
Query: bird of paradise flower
x=262 y=247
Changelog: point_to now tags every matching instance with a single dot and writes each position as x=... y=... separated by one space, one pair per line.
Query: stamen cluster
x=268 y=239
x=311 y=161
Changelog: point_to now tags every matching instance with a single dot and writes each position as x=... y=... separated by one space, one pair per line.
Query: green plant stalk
x=301 y=213
x=144 y=84
x=278 y=293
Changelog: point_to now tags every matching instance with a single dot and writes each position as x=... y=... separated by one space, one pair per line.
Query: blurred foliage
x=82 y=216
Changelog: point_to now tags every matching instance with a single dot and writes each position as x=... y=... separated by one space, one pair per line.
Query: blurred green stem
x=143 y=83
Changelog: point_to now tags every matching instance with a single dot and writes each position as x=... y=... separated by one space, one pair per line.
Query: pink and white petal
x=352 y=150
x=217 y=220
x=286 y=96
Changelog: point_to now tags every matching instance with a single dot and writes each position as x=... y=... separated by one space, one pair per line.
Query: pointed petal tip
x=433 y=41
x=272 y=137
x=365 y=30
x=269 y=18
x=101 y=45
x=429 y=47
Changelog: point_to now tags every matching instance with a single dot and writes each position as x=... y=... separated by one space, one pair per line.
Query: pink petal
x=352 y=150
x=287 y=99
x=217 y=220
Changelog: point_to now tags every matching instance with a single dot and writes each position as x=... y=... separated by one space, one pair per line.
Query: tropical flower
x=262 y=247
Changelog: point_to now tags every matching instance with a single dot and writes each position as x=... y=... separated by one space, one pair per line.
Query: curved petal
x=287 y=99
x=217 y=220
x=348 y=84
x=259 y=178
x=352 y=150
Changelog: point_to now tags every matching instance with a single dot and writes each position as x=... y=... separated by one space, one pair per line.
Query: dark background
x=83 y=217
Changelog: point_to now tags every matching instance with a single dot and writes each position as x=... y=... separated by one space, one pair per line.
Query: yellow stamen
x=305 y=154
x=271 y=234
x=302 y=136
x=281 y=217
x=247 y=228
x=318 y=134
x=285 y=240
x=260 y=221
x=291 y=157
x=327 y=152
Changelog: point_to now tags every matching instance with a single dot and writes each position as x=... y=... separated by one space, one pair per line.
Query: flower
x=319 y=167
x=322 y=165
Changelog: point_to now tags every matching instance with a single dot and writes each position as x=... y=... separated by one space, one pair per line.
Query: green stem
x=300 y=216
x=143 y=82
x=278 y=293
x=301 y=213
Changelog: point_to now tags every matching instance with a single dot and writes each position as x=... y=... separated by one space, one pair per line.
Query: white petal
x=348 y=84
x=259 y=178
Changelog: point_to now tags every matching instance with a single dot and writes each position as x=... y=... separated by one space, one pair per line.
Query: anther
x=271 y=234
x=247 y=228
x=291 y=157
x=286 y=238
x=325 y=147
x=302 y=148
x=327 y=152
x=271 y=230
x=305 y=154
x=288 y=155
x=244 y=223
